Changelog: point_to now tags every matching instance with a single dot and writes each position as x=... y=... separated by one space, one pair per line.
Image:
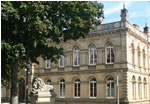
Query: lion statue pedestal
x=41 y=92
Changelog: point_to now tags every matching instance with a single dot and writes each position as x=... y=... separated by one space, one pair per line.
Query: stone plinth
x=42 y=98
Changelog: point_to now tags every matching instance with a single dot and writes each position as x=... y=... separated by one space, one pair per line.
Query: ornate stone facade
x=89 y=71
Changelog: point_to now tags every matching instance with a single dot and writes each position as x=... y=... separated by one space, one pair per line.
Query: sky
x=138 y=11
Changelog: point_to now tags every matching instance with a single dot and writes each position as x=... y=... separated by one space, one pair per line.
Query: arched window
x=145 y=88
x=144 y=59
x=76 y=57
x=134 y=87
x=109 y=54
x=47 y=63
x=77 y=88
x=132 y=47
x=110 y=87
x=48 y=82
x=62 y=61
x=62 y=88
x=92 y=55
x=138 y=50
x=139 y=88
x=93 y=89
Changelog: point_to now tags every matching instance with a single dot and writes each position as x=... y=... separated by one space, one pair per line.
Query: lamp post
x=117 y=86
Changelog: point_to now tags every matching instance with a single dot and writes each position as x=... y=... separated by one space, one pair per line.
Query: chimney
x=146 y=29
x=124 y=14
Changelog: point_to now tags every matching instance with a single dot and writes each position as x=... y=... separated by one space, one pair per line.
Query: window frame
x=110 y=97
x=133 y=54
x=144 y=62
x=76 y=51
x=139 y=88
x=134 y=88
x=111 y=48
x=145 y=88
x=77 y=81
x=62 y=58
x=62 y=91
x=92 y=82
x=139 y=57
x=48 y=64
x=94 y=52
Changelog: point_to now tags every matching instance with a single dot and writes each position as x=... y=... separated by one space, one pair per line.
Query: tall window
x=109 y=54
x=144 y=59
x=77 y=88
x=62 y=61
x=62 y=88
x=110 y=87
x=48 y=63
x=93 y=87
x=92 y=55
x=134 y=87
x=76 y=57
x=140 y=88
x=48 y=82
x=138 y=57
x=145 y=88
x=132 y=54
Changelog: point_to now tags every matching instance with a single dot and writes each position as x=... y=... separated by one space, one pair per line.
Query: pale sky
x=139 y=12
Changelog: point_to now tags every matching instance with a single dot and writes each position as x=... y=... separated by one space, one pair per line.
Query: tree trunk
x=14 y=84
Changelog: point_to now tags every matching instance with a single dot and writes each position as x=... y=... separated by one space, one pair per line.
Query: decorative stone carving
x=39 y=86
x=42 y=93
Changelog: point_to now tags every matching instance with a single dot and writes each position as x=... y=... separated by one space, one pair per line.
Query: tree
x=28 y=26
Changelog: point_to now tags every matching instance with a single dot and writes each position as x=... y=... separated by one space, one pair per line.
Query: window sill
x=109 y=63
x=92 y=64
x=61 y=67
x=92 y=97
x=110 y=97
x=61 y=97
x=76 y=65
x=76 y=97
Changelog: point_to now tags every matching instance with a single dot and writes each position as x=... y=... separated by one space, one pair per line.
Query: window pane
x=62 y=61
x=108 y=92
x=76 y=56
x=110 y=87
x=112 y=92
x=91 y=57
x=60 y=89
x=108 y=55
x=91 y=89
x=95 y=57
x=94 y=89
x=78 y=89
x=112 y=55
x=75 y=90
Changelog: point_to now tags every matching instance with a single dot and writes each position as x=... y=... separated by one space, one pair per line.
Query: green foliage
x=27 y=26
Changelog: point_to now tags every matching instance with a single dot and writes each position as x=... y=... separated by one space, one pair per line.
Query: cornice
x=137 y=36
x=81 y=71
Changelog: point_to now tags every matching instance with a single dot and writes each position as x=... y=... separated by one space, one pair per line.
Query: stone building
x=110 y=65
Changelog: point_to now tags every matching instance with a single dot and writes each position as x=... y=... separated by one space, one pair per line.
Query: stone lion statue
x=39 y=85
